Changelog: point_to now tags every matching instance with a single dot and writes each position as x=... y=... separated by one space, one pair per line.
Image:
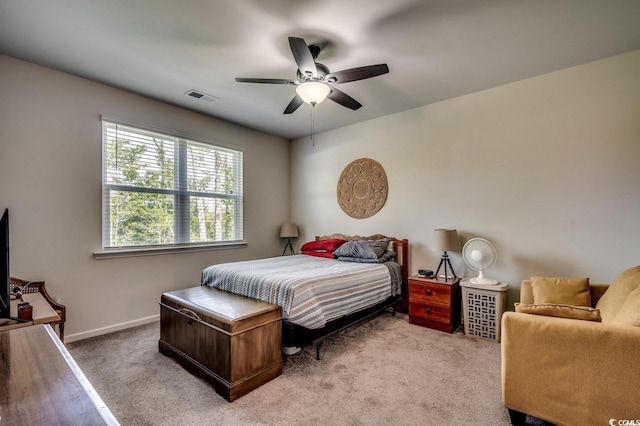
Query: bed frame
x=294 y=335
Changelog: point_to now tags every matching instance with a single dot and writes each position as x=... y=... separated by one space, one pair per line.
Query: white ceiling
x=435 y=49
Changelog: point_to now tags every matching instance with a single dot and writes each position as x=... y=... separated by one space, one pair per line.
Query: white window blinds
x=161 y=190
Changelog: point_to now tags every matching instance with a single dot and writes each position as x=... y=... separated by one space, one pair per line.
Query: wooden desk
x=42 y=384
x=29 y=287
x=43 y=313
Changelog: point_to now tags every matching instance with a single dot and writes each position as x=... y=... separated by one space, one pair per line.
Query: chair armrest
x=570 y=371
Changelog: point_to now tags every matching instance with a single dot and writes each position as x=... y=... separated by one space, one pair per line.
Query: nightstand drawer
x=436 y=293
x=429 y=311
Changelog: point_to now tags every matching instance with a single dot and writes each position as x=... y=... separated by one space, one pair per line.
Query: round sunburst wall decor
x=362 y=188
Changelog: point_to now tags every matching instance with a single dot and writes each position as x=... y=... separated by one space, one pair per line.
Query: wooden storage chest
x=232 y=341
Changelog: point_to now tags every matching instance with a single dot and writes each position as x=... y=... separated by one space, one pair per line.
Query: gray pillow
x=364 y=249
x=389 y=255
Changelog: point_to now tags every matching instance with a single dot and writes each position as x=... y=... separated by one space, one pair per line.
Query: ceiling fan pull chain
x=313 y=126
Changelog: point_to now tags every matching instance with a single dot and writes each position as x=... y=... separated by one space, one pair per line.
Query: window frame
x=180 y=192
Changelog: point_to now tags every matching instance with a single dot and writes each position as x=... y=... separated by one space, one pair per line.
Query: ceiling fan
x=315 y=81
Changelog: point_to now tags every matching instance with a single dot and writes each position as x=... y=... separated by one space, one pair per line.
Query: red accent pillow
x=324 y=245
x=318 y=253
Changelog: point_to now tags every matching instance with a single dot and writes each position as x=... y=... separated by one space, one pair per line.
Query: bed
x=320 y=296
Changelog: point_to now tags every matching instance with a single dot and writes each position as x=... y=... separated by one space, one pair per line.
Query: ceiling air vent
x=201 y=96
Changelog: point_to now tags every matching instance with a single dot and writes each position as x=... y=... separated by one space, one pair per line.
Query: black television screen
x=5 y=277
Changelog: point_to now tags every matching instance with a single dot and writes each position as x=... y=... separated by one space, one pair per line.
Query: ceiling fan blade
x=303 y=57
x=359 y=73
x=294 y=104
x=343 y=99
x=267 y=81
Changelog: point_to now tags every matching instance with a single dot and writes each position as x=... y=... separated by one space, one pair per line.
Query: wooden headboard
x=400 y=246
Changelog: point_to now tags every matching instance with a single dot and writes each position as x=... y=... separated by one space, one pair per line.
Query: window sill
x=153 y=251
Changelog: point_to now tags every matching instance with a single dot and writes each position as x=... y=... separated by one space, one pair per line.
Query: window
x=162 y=190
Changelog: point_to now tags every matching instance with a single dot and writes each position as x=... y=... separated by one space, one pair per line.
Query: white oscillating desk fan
x=479 y=254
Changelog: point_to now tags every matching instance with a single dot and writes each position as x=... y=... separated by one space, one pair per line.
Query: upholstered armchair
x=574 y=365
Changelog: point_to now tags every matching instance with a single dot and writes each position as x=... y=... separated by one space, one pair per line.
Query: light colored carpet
x=385 y=371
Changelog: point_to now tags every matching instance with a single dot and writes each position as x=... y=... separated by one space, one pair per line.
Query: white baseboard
x=68 y=338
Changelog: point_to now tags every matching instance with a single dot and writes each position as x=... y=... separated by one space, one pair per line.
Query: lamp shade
x=288 y=230
x=313 y=92
x=445 y=240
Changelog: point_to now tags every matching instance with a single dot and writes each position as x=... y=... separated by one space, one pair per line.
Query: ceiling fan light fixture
x=313 y=92
x=315 y=81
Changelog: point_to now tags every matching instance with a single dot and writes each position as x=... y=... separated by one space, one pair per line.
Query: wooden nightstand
x=434 y=303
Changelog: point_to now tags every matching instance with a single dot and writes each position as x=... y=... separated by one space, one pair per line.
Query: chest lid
x=231 y=312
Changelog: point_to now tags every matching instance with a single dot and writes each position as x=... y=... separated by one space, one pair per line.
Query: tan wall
x=545 y=168
x=50 y=179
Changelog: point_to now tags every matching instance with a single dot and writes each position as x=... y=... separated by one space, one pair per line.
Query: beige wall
x=50 y=179
x=545 y=168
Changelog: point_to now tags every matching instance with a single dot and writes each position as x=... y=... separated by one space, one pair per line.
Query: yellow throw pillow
x=564 y=291
x=612 y=300
x=629 y=313
x=560 y=311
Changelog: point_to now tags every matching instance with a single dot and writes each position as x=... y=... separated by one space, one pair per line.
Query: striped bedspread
x=311 y=290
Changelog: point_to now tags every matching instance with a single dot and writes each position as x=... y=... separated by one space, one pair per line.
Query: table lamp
x=445 y=240
x=288 y=230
